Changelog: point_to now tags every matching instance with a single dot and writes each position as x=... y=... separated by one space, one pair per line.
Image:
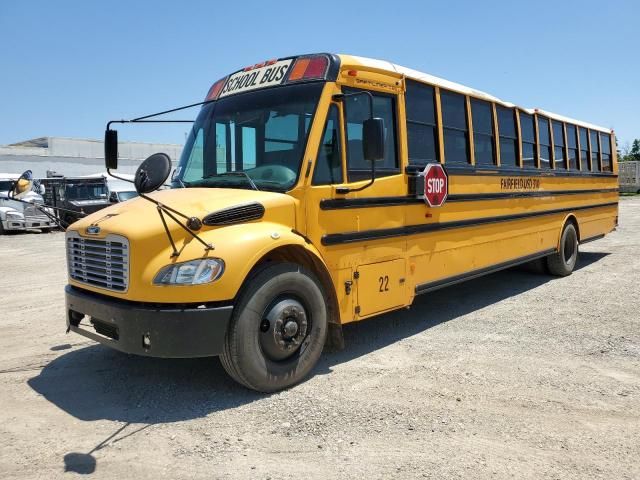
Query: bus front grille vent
x=102 y=263
x=237 y=214
x=105 y=329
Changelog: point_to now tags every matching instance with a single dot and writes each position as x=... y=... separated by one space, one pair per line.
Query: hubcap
x=283 y=329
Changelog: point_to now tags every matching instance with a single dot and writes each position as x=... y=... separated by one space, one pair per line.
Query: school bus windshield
x=253 y=140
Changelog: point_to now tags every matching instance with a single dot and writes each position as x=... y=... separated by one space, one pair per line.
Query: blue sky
x=66 y=67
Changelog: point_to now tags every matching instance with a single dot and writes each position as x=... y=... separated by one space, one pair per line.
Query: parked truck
x=629 y=177
x=24 y=213
x=75 y=197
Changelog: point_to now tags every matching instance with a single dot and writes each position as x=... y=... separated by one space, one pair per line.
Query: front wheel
x=278 y=329
x=563 y=262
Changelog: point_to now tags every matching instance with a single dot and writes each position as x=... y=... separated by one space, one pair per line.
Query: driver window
x=329 y=160
x=356 y=112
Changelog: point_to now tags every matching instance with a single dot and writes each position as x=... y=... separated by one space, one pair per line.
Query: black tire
x=278 y=329
x=563 y=262
x=1 y=228
x=67 y=220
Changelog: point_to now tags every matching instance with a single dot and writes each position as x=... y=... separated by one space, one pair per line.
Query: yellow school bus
x=299 y=205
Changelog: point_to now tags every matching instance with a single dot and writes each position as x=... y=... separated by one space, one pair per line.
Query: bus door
x=368 y=271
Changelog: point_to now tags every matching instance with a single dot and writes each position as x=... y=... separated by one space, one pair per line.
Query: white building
x=75 y=156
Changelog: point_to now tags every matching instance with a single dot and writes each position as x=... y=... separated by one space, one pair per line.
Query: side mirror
x=111 y=149
x=152 y=173
x=373 y=139
x=23 y=185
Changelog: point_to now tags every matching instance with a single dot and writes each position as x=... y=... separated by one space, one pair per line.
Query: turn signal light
x=214 y=91
x=309 y=68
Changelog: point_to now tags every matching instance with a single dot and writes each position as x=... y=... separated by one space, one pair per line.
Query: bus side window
x=356 y=112
x=422 y=133
x=558 y=145
x=528 y=140
x=584 y=149
x=595 y=152
x=483 y=135
x=329 y=159
x=455 y=130
x=572 y=147
x=544 y=140
x=605 y=143
x=508 y=136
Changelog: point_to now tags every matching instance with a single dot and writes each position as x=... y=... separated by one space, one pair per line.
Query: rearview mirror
x=152 y=173
x=373 y=139
x=23 y=185
x=111 y=149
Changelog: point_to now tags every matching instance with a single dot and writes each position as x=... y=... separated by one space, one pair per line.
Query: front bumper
x=126 y=326
x=38 y=223
x=19 y=224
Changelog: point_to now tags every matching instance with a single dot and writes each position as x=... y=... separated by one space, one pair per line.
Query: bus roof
x=456 y=87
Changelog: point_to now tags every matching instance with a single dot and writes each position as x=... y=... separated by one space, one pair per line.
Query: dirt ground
x=514 y=375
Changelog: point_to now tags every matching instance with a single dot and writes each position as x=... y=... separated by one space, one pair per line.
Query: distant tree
x=634 y=153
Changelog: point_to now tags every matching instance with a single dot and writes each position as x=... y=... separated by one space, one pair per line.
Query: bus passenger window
x=584 y=149
x=482 y=115
x=572 y=147
x=508 y=137
x=605 y=144
x=528 y=140
x=595 y=151
x=422 y=133
x=329 y=160
x=558 y=145
x=454 y=122
x=544 y=140
x=356 y=112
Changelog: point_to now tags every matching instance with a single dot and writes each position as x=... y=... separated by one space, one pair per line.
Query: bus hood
x=139 y=219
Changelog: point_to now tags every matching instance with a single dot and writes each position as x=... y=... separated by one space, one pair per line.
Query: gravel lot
x=515 y=375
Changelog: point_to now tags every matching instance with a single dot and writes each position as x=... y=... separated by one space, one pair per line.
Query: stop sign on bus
x=436 y=185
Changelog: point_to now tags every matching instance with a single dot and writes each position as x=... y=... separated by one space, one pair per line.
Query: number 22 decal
x=384 y=283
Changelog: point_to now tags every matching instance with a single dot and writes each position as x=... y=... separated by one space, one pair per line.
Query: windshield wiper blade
x=235 y=174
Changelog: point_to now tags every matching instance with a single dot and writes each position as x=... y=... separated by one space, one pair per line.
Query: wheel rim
x=283 y=329
x=570 y=248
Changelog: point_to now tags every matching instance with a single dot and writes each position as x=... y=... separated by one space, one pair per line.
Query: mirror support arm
x=143 y=120
x=193 y=223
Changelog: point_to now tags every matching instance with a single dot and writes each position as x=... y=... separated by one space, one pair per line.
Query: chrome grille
x=31 y=211
x=102 y=263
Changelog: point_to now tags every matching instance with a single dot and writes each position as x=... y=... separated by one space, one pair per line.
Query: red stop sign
x=436 y=185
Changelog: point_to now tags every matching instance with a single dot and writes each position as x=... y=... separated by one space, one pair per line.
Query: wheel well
x=572 y=219
x=300 y=256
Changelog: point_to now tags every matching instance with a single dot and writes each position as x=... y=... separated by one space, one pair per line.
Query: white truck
x=629 y=177
x=21 y=215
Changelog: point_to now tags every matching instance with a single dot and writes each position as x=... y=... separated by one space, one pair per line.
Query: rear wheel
x=278 y=329
x=563 y=262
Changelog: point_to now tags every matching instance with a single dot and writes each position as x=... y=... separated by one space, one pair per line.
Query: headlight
x=195 y=272
x=15 y=215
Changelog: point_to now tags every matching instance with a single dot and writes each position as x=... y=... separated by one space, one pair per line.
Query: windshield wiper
x=235 y=174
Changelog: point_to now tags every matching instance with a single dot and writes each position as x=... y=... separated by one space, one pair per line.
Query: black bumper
x=171 y=332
